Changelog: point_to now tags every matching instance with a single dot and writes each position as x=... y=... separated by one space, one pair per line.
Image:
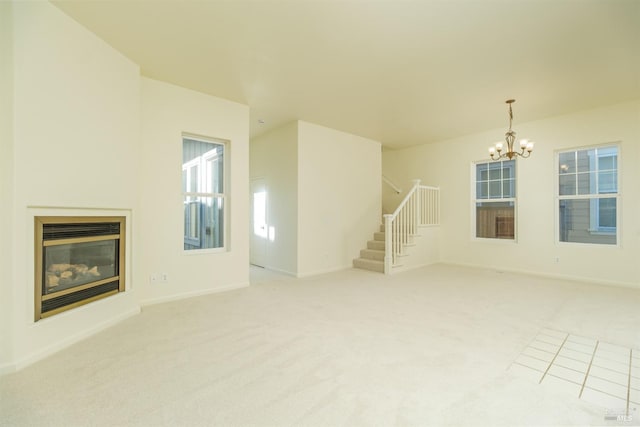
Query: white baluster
x=388 y=246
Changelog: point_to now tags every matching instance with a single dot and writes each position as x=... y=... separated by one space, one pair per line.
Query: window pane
x=482 y=190
x=608 y=158
x=494 y=171
x=508 y=188
x=495 y=220
x=213 y=222
x=608 y=163
x=495 y=192
x=578 y=221
x=508 y=169
x=192 y=220
x=214 y=173
x=567 y=162
x=567 y=185
x=586 y=160
x=606 y=213
x=193 y=179
x=204 y=223
x=607 y=182
x=482 y=173
x=586 y=183
x=220 y=171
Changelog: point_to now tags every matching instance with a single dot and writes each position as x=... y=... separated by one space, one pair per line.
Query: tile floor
x=601 y=373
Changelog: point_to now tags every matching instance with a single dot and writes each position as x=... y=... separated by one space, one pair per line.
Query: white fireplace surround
x=51 y=334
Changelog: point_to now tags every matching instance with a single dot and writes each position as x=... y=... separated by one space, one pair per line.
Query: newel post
x=388 y=248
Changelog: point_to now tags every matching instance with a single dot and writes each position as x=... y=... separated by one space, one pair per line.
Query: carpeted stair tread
x=375 y=244
x=369 y=264
x=374 y=254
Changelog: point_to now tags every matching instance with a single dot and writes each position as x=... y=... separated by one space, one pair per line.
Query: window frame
x=475 y=200
x=201 y=165
x=593 y=198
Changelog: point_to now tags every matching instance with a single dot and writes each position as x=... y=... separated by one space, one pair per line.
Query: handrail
x=416 y=184
x=420 y=207
x=391 y=184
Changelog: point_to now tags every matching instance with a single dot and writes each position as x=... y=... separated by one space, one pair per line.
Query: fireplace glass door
x=76 y=264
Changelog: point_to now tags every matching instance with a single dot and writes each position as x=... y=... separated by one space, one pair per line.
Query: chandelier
x=526 y=147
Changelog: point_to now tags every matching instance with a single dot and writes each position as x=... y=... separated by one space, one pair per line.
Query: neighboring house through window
x=588 y=196
x=495 y=199
x=203 y=189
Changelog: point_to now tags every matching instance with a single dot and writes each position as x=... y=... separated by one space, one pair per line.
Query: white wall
x=75 y=135
x=339 y=197
x=6 y=183
x=70 y=136
x=392 y=196
x=167 y=112
x=424 y=250
x=274 y=159
x=448 y=164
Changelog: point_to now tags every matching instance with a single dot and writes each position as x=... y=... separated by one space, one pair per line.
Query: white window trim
x=472 y=225
x=618 y=196
x=225 y=196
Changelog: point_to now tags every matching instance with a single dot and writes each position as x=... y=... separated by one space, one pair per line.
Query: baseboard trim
x=7 y=368
x=185 y=295
x=328 y=270
x=567 y=277
x=277 y=270
x=403 y=268
x=54 y=348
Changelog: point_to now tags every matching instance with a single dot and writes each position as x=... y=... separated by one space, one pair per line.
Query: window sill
x=605 y=246
x=190 y=252
x=494 y=240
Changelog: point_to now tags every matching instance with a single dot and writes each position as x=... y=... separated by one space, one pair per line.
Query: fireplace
x=77 y=260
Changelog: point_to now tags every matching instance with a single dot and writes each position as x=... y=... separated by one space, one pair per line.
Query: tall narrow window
x=203 y=189
x=495 y=199
x=588 y=197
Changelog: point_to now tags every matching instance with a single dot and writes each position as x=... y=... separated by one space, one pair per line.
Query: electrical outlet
x=159 y=278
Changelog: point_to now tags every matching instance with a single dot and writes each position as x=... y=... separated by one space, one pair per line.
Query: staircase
x=420 y=208
x=372 y=258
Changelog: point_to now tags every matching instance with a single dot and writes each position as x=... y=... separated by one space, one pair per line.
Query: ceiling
x=400 y=72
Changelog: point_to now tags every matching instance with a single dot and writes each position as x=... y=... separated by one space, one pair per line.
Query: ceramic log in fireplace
x=77 y=260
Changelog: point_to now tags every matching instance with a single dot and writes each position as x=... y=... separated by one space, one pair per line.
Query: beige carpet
x=432 y=346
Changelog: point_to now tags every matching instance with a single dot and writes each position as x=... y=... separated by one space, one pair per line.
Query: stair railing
x=420 y=207
x=391 y=184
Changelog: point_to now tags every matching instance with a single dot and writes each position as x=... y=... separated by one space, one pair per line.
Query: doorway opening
x=259 y=230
